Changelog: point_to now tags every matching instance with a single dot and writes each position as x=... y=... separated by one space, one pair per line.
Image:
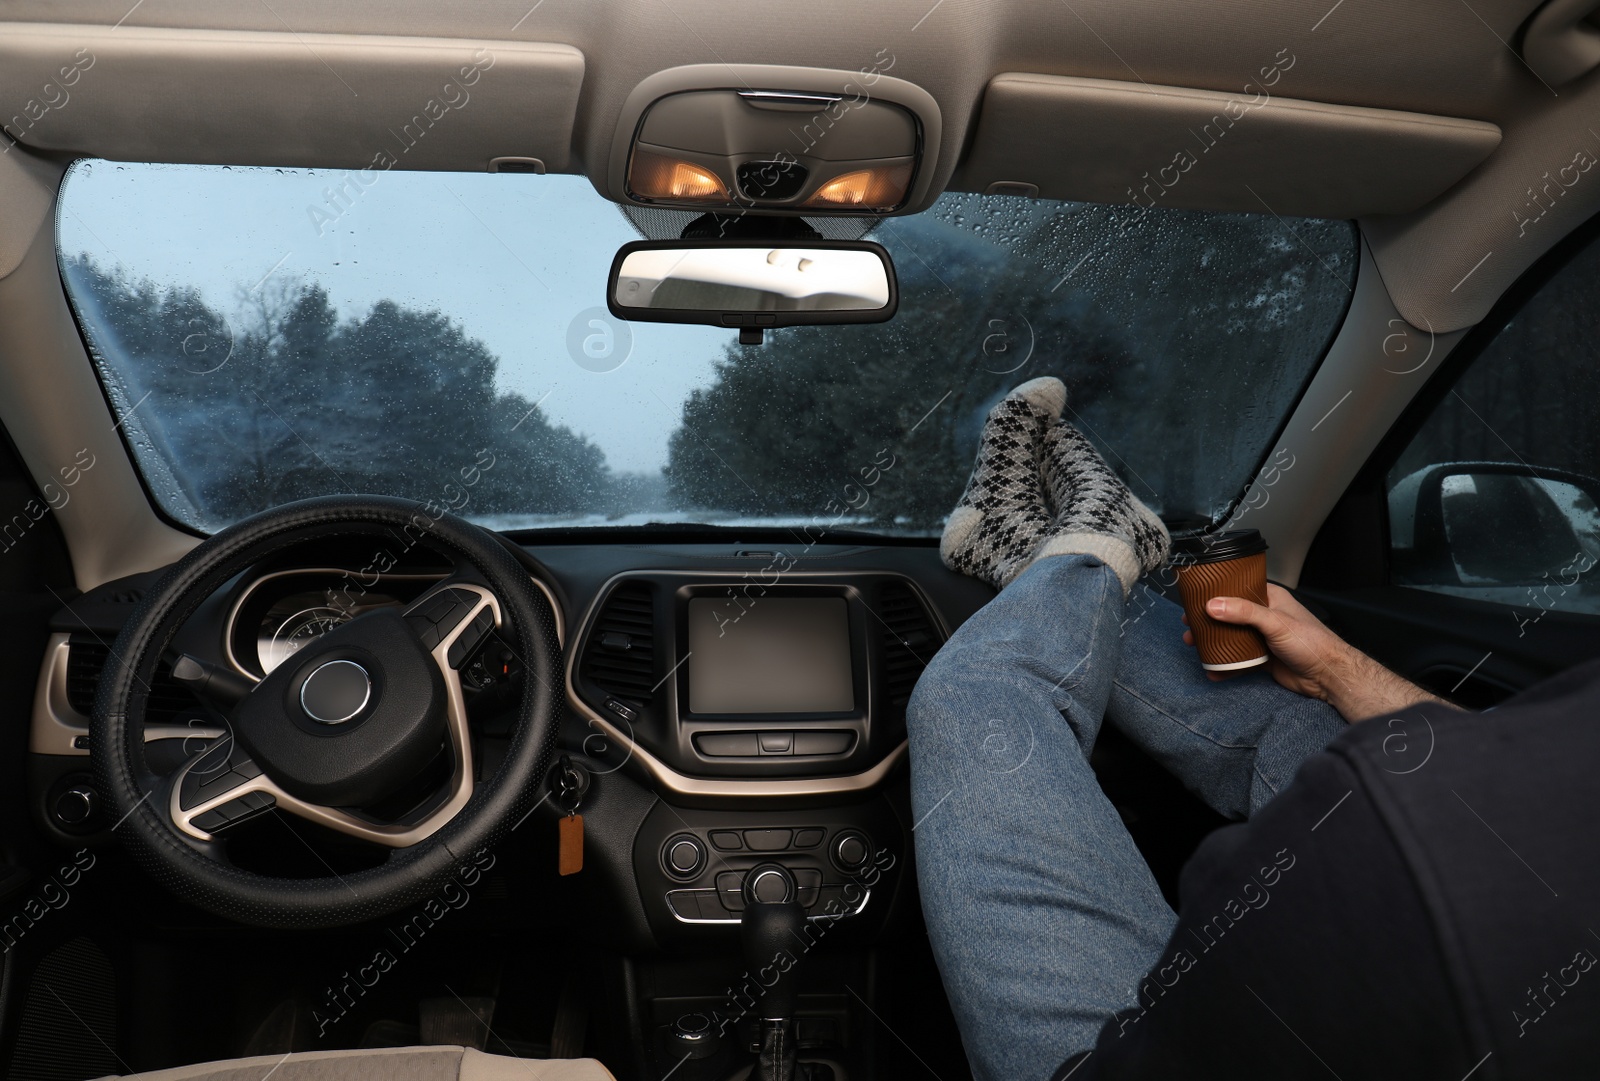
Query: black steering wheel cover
x=410 y=875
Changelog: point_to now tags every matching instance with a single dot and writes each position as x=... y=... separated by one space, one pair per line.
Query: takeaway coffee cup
x=1231 y=564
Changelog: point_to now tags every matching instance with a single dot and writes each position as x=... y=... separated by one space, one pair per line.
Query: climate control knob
x=850 y=851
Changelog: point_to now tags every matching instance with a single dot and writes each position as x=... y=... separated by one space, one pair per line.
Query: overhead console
x=713 y=676
x=1161 y=146
x=787 y=140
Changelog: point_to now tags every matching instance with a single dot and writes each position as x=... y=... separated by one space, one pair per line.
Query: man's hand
x=1310 y=659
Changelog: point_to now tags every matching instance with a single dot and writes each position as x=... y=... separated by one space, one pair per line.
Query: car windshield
x=265 y=335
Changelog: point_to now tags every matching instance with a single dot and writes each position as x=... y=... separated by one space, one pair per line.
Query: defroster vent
x=620 y=656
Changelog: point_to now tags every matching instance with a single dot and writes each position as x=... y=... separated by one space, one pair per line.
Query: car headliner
x=1438 y=268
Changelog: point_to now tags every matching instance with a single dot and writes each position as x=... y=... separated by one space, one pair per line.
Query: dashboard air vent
x=86 y=660
x=620 y=657
x=909 y=641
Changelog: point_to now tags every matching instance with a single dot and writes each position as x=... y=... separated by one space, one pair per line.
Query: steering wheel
x=342 y=732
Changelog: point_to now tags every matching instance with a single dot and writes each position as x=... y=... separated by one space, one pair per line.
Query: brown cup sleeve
x=1224 y=643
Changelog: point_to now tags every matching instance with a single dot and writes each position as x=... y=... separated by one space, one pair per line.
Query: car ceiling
x=1449 y=58
x=1440 y=267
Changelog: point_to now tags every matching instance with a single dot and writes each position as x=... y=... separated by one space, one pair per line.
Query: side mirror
x=1495 y=524
x=752 y=284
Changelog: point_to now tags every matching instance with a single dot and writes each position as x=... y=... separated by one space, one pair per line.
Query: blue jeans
x=1042 y=913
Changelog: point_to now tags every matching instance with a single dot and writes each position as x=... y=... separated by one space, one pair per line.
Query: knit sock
x=1096 y=514
x=1002 y=516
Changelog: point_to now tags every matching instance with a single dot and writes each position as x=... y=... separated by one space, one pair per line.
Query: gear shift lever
x=772 y=932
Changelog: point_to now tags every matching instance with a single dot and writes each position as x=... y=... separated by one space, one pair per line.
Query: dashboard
x=738 y=709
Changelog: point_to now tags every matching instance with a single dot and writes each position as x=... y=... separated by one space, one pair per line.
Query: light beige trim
x=257 y=583
x=393 y=835
x=246 y=97
x=682 y=784
x=1374 y=367
x=1560 y=43
x=55 y=411
x=444 y=1062
x=477 y=1066
x=1167 y=146
x=27 y=197
x=825 y=917
x=55 y=725
x=1447 y=264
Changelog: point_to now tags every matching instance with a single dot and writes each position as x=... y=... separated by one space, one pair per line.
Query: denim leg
x=1234 y=744
x=1043 y=915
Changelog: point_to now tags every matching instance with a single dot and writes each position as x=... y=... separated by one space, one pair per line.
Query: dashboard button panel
x=775 y=742
x=728 y=744
x=768 y=840
x=816 y=743
x=798 y=849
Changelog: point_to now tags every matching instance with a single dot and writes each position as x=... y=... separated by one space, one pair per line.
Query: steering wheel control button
x=684 y=856
x=768 y=840
x=470 y=638
x=445 y=608
x=336 y=692
x=235 y=811
x=807 y=838
x=223 y=766
x=727 y=840
x=436 y=616
x=850 y=851
x=768 y=883
x=426 y=630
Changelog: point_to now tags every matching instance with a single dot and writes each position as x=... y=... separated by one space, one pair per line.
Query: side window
x=1497 y=496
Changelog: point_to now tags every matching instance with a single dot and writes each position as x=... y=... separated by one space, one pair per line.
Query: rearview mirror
x=752 y=284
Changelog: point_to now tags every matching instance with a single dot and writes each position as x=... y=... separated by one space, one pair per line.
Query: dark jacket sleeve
x=1422 y=901
x=1294 y=931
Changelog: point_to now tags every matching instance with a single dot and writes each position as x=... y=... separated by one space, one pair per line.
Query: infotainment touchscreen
x=777 y=655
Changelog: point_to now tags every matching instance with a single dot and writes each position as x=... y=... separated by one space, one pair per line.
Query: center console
x=767 y=711
x=783 y=676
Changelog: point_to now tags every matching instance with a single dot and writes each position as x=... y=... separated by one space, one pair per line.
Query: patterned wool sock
x=1096 y=514
x=1002 y=516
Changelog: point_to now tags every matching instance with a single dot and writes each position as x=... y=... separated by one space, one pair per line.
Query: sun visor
x=1114 y=142
x=247 y=98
